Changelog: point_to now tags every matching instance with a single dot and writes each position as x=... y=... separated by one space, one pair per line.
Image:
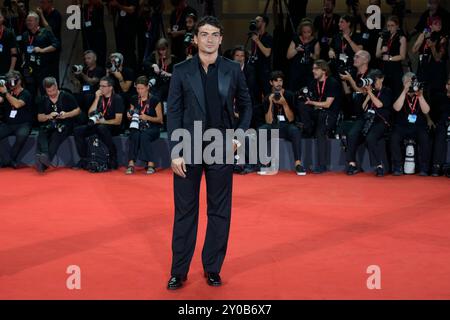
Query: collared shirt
x=214 y=109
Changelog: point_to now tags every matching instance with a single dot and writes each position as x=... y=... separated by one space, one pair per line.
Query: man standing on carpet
x=204 y=88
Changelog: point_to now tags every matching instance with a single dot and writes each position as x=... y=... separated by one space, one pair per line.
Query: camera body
x=8 y=83
x=416 y=86
x=277 y=95
x=114 y=65
x=252 y=28
x=188 y=37
x=94 y=116
x=54 y=124
x=385 y=35
x=305 y=94
x=136 y=123
x=77 y=68
x=369 y=119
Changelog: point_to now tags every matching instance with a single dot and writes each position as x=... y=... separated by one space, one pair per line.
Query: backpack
x=98 y=155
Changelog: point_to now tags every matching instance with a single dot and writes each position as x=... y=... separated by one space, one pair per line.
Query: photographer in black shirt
x=371 y=125
x=280 y=114
x=146 y=117
x=56 y=113
x=260 y=59
x=327 y=26
x=105 y=118
x=15 y=105
x=319 y=108
x=411 y=122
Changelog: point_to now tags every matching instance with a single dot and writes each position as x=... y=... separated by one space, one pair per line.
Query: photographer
x=177 y=29
x=146 y=116
x=391 y=49
x=411 y=122
x=123 y=77
x=353 y=94
x=434 y=9
x=260 y=59
x=105 y=118
x=441 y=132
x=279 y=107
x=344 y=46
x=8 y=48
x=372 y=124
x=302 y=52
x=56 y=113
x=36 y=46
x=327 y=26
x=88 y=77
x=15 y=104
x=319 y=112
x=189 y=44
x=160 y=67
x=432 y=45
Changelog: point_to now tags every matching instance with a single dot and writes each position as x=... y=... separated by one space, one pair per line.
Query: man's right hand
x=53 y=115
x=98 y=94
x=179 y=167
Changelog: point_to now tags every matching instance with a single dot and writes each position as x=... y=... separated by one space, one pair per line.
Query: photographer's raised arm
x=124 y=85
x=418 y=43
x=266 y=51
x=14 y=102
x=376 y=102
x=424 y=106
x=269 y=113
x=398 y=104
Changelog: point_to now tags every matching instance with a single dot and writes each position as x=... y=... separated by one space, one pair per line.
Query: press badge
x=281 y=118
x=175 y=28
x=19 y=38
x=343 y=57
x=122 y=13
x=86 y=88
x=30 y=49
x=1 y=48
x=366 y=36
x=88 y=24
x=412 y=118
x=13 y=114
x=147 y=35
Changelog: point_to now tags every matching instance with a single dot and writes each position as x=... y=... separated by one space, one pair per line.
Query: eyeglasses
x=103 y=86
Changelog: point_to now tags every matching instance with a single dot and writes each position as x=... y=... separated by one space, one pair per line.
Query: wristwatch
x=390 y=58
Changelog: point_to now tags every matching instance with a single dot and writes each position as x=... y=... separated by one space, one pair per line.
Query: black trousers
x=105 y=134
x=422 y=137
x=141 y=140
x=219 y=182
x=440 y=143
x=318 y=123
x=373 y=140
x=20 y=131
x=49 y=140
x=290 y=132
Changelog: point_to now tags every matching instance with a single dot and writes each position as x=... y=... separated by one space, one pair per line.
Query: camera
x=252 y=28
x=416 y=85
x=343 y=67
x=9 y=83
x=77 y=68
x=364 y=82
x=277 y=95
x=304 y=94
x=54 y=124
x=385 y=35
x=2 y=82
x=152 y=82
x=94 y=116
x=369 y=118
x=188 y=37
x=134 y=124
x=113 y=65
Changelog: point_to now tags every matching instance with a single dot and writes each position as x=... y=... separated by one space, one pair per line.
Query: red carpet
x=291 y=237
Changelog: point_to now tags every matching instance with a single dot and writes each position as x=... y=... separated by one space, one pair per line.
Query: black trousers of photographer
x=290 y=132
x=320 y=123
x=422 y=137
x=49 y=140
x=440 y=143
x=141 y=141
x=373 y=140
x=105 y=134
x=20 y=131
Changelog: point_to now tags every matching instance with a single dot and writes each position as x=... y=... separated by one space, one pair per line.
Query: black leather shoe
x=176 y=282
x=213 y=279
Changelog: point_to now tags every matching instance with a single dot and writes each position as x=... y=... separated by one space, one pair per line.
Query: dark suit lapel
x=195 y=79
x=224 y=79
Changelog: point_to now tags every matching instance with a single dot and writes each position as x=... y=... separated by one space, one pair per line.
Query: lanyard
x=326 y=25
x=105 y=106
x=390 y=41
x=31 y=37
x=2 y=31
x=163 y=64
x=141 y=103
x=411 y=104
x=321 y=92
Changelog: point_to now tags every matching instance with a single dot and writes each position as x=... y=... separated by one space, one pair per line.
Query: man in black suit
x=204 y=89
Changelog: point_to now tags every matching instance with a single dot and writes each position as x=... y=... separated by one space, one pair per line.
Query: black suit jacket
x=186 y=101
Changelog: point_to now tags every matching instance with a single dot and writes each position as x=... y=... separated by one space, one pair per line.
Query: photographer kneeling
x=372 y=123
x=279 y=109
x=15 y=104
x=411 y=122
x=146 y=116
x=56 y=114
x=105 y=118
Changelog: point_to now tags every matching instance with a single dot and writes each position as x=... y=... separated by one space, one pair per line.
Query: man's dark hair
x=348 y=18
x=276 y=75
x=265 y=19
x=141 y=80
x=238 y=48
x=109 y=80
x=213 y=21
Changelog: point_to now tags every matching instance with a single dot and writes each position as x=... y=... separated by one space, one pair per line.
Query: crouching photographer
x=441 y=134
x=372 y=124
x=105 y=118
x=411 y=122
x=279 y=107
x=57 y=111
x=15 y=105
x=146 y=118
x=319 y=109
